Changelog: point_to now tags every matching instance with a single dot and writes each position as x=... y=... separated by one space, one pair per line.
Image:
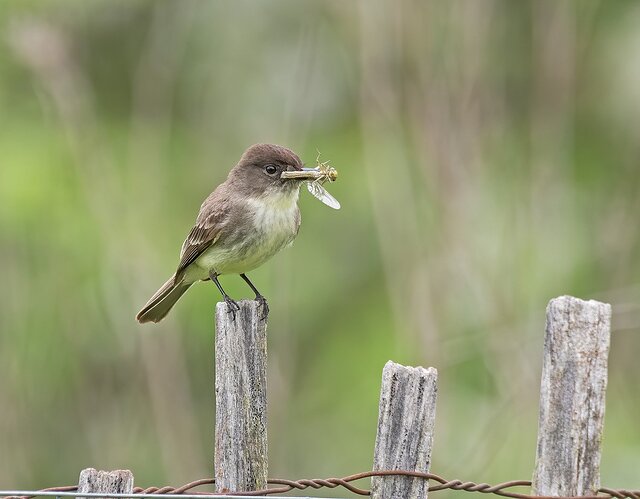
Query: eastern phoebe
x=245 y=221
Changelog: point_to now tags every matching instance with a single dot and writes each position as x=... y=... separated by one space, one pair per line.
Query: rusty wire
x=281 y=486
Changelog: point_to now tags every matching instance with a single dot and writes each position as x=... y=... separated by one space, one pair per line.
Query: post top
x=246 y=303
x=425 y=372
x=566 y=301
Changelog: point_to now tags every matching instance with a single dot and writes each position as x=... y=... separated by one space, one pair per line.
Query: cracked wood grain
x=572 y=397
x=111 y=482
x=405 y=430
x=241 y=398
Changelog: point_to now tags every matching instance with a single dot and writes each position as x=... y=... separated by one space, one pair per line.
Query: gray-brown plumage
x=246 y=220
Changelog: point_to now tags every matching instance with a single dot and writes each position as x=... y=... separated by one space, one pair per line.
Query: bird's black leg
x=231 y=303
x=259 y=298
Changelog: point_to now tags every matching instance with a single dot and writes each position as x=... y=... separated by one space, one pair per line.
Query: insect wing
x=321 y=193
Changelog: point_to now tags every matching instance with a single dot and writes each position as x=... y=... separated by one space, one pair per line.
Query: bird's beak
x=303 y=174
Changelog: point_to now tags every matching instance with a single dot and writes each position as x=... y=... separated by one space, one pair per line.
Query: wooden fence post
x=108 y=482
x=405 y=430
x=572 y=397
x=241 y=398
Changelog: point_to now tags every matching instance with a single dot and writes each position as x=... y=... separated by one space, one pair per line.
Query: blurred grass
x=488 y=154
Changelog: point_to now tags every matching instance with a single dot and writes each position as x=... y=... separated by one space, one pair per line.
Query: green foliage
x=488 y=161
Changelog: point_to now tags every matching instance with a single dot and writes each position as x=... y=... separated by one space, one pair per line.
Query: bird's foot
x=264 y=305
x=232 y=306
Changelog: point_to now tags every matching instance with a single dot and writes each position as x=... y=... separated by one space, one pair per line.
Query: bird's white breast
x=276 y=214
x=275 y=225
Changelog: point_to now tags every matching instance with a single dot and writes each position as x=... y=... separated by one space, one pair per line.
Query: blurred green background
x=488 y=153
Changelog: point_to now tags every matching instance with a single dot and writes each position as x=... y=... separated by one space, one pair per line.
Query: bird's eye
x=270 y=169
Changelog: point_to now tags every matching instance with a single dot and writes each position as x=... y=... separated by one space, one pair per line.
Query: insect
x=328 y=173
x=331 y=174
x=319 y=192
x=315 y=177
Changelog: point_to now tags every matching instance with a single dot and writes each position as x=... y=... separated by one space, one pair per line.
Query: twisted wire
x=281 y=486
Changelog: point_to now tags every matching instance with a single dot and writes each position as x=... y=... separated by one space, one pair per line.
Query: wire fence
x=282 y=486
x=407 y=407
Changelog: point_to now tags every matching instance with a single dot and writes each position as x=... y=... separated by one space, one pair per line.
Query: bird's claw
x=232 y=306
x=264 y=305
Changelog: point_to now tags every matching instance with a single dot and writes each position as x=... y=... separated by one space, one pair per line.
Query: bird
x=244 y=222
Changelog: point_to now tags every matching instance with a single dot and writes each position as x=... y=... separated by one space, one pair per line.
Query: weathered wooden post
x=572 y=397
x=405 y=430
x=241 y=398
x=108 y=482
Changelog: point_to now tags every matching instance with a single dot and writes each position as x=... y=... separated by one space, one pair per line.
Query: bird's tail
x=161 y=302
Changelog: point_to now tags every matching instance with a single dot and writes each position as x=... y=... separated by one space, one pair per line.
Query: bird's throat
x=276 y=210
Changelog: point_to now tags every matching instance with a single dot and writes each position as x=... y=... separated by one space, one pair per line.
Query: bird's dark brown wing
x=211 y=219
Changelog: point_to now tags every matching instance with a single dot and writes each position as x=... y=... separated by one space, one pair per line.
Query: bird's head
x=261 y=167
